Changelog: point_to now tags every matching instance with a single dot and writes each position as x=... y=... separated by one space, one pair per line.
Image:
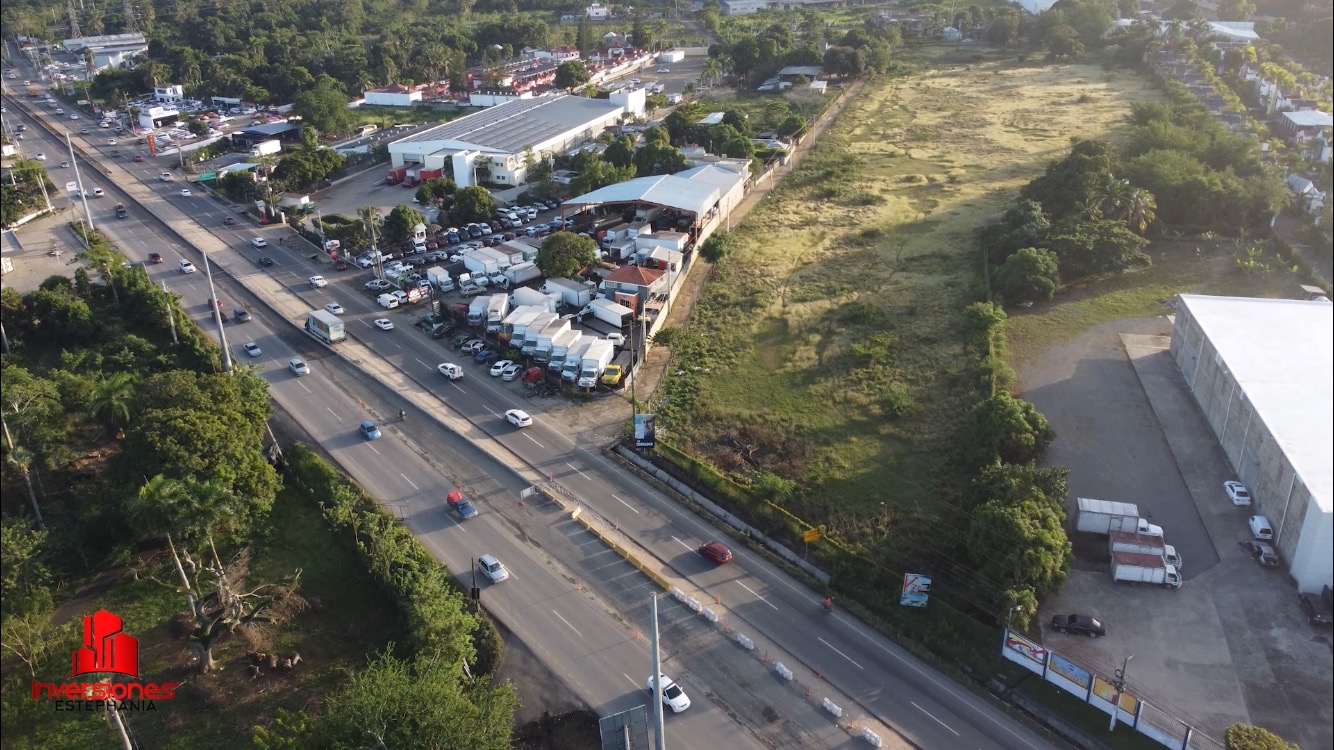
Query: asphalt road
x=923 y=705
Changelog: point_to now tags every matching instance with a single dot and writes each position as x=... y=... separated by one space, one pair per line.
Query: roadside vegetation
x=139 y=478
x=22 y=194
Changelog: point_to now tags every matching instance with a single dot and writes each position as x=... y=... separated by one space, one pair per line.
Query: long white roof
x=672 y=191
x=1281 y=354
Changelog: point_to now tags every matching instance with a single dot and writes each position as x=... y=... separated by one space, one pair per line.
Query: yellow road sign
x=810 y=535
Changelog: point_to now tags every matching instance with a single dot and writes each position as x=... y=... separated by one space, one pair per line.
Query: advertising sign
x=1020 y=650
x=646 y=431
x=916 y=590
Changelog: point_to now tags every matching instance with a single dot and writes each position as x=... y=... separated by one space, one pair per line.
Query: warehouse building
x=1262 y=371
x=495 y=145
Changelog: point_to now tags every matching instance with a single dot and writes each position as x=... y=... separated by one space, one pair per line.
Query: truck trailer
x=497 y=306
x=480 y=264
x=612 y=313
x=520 y=273
x=1135 y=567
x=546 y=339
x=595 y=360
x=528 y=296
x=572 y=293
x=325 y=326
x=1104 y=516
x=519 y=316
x=477 y=310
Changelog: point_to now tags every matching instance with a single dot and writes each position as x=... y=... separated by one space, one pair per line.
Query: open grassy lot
x=829 y=343
x=347 y=621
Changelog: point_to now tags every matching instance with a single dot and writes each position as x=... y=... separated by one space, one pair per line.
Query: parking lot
x=1231 y=645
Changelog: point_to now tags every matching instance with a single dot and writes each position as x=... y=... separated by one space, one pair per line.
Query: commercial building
x=1262 y=371
x=153 y=118
x=495 y=145
x=283 y=131
x=108 y=50
x=393 y=95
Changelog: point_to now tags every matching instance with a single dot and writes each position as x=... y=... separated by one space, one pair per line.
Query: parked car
x=1078 y=625
x=716 y=551
x=499 y=368
x=1319 y=608
x=485 y=356
x=511 y=372
x=473 y=346
x=492 y=568
x=1237 y=493
x=1261 y=553
x=377 y=285
x=1260 y=528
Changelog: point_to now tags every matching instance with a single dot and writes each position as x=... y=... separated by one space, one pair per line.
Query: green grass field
x=873 y=235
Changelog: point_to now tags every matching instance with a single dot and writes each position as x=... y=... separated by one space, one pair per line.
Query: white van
x=1260 y=528
x=387 y=301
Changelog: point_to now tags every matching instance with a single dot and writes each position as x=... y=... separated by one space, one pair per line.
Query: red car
x=340 y=265
x=138 y=157
x=716 y=552
x=154 y=258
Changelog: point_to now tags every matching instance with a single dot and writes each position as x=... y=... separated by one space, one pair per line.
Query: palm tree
x=713 y=71
x=21 y=459
x=1139 y=210
x=111 y=398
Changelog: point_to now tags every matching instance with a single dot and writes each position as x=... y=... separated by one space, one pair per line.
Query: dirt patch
x=576 y=730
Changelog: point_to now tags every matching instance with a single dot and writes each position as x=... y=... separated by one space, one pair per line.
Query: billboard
x=916 y=590
x=646 y=431
x=1022 y=651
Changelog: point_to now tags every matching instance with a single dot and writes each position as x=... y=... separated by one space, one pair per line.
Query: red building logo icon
x=106 y=647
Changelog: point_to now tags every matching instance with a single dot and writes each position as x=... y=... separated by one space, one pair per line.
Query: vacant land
x=873 y=236
x=348 y=621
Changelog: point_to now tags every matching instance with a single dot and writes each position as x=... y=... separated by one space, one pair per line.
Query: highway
x=925 y=707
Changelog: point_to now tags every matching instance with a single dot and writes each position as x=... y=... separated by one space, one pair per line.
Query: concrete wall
x=1303 y=535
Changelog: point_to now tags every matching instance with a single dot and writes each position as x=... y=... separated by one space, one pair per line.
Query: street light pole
x=78 y=182
x=217 y=316
x=1120 y=687
x=659 y=731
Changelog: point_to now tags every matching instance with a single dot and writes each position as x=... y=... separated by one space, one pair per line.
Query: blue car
x=486 y=356
x=465 y=509
x=369 y=430
x=453 y=238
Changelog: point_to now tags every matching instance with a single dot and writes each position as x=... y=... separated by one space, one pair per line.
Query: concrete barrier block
x=678 y=594
x=745 y=642
x=694 y=604
x=832 y=708
x=871 y=738
x=782 y=671
x=710 y=615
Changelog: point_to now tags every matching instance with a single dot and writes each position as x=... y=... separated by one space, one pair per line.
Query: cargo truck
x=611 y=313
x=519 y=327
x=325 y=326
x=545 y=339
x=520 y=316
x=534 y=329
x=497 y=306
x=533 y=298
x=1104 y=516
x=1134 y=567
x=440 y=279
x=396 y=176
x=560 y=345
x=477 y=310
x=572 y=293
x=595 y=360
x=521 y=273
x=1147 y=544
x=574 y=358
x=480 y=264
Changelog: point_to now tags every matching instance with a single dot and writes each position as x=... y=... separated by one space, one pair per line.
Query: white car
x=492 y=568
x=186 y=266
x=73 y=117
x=259 y=242
x=377 y=284
x=673 y=696
x=511 y=372
x=365 y=261
x=518 y=418
x=1237 y=493
x=450 y=370
x=319 y=282
x=664 y=70
x=401 y=296
x=111 y=141
x=252 y=349
x=97 y=193
x=185 y=192
x=498 y=368
x=334 y=308
x=298 y=366
x=41 y=156
x=384 y=324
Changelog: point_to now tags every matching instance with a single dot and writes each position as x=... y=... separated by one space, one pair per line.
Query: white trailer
x=480 y=264
x=574 y=358
x=532 y=297
x=595 y=360
x=612 y=313
x=545 y=339
x=496 y=308
x=534 y=329
x=518 y=315
x=477 y=310
x=1135 y=567
x=672 y=56
x=266 y=148
x=572 y=293
x=523 y=272
x=560 y=346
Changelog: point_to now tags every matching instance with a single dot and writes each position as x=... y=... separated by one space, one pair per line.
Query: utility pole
x=78 y=182
x=131 y=23
x=658 y=730
x=1120 y=687
x=217 y=316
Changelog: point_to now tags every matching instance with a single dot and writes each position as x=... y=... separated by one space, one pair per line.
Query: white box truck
x=534 y=329
x=519 y=315
x=1147 y=544
x=1103 y=516
x=480 y=264
x=521 y=273
x=1135 y=567
x=595 y=360
x=477 y=310
x=325 y=326
x=573 y=293
x=546 y=339
x=497 y=306
x=528 y=296
x=574 y=358
x=560 y=346
x=612 y=313
x=440 y=279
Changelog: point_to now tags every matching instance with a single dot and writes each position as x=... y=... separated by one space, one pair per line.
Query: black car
x=1078 y=625
x=461 y=339
x=1319 y=608
x=266 y=261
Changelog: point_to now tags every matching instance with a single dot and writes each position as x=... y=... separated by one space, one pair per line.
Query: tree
x=324 y=106
x=572 y=74
x=1184 y=10
x=1015 y=484
x=1020 y=546
x=1062 y=41
x=398 y=226
x=111 y=399
x=1024 y=225
x=565 y=254
x=595 y=173
x=584 y=40
x=792 y=126
x=1247 y=737
x=1030 y=275
x=654 y=159
x=1007 y=429
x=1068 y=184
x=1085 y=248
x=845 y=61
x=1004 y=30
x=639 y=33
x=620 y=152
x=197 y=128
x=310 y=137
x=472 y=204
x=1236 y=10
x=719 y=245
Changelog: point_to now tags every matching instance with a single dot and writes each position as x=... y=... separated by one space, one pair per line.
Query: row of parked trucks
x=546 y=336
x=1136 y=547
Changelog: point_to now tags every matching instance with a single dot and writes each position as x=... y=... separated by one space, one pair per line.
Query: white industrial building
x=703 y=197
x=1262 y=371
x=393 y=95
x=494 y=144
x=108 y=50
